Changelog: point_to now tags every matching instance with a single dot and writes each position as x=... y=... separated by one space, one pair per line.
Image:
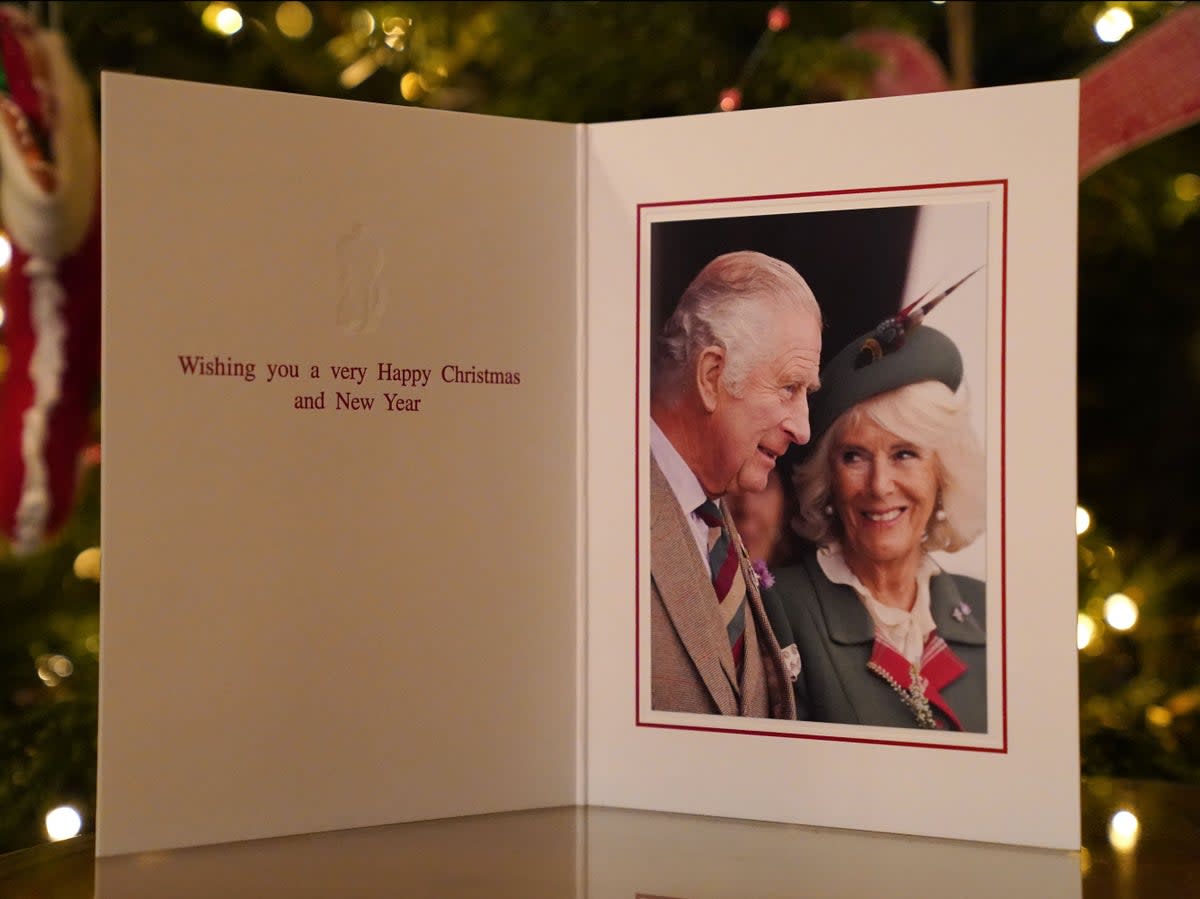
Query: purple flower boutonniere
x=960 y=612
x=762 y=573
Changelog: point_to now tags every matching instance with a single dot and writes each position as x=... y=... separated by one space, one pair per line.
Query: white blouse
x=906 y=631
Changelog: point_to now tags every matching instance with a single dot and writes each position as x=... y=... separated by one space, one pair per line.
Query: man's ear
x=709 y=369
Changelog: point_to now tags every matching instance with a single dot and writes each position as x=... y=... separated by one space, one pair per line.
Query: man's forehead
x=797 y=320
x=798 y=338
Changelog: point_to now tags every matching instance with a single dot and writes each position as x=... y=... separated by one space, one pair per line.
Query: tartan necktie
x=726 y=578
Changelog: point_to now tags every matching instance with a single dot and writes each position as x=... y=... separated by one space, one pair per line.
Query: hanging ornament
x=49 y=204
x=906 y=65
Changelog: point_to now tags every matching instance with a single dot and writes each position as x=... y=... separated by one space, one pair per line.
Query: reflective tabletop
x=1140 y=839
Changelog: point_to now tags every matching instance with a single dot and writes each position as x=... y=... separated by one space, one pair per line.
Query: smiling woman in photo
x=885 y=636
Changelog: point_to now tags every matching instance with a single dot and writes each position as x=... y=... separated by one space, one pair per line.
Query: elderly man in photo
x=732 y=372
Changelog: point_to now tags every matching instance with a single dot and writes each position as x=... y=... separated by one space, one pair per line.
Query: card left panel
x=340 y=464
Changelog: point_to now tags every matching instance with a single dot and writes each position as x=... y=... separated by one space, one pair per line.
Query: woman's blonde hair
x=929 y=415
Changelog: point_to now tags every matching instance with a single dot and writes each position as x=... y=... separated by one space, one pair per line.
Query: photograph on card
x=820 y=516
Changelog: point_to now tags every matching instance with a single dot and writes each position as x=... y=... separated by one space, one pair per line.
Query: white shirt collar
x=906 y=631
x=684 y=483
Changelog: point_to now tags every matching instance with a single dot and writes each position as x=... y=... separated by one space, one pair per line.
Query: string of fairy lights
x=778 y=19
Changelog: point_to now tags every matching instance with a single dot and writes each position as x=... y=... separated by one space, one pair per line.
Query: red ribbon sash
x=939 y=667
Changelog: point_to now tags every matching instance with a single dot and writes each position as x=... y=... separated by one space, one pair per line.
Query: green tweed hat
x=863 y=369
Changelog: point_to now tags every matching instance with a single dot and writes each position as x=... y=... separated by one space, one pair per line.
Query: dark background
x=854 y=260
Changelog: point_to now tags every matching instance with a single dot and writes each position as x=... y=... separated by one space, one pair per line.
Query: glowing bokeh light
x=362 y=21
x=1123 y=831
x=1187 y=187
x=5 y=253
x=208 y=18
x=358 y=71
x=87 y=564
x=1157 y=716
x=410 y=86
x=731 y=99
x=48 y=677
x=293 y=19
x=1083 y=520
x=229 y=21
x=1113 y=24
x=53 y=669
x=1120 y=612
x=1085 y=631
x=63 y=823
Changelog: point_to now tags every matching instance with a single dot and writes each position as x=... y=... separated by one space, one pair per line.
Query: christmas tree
x=1139 y=338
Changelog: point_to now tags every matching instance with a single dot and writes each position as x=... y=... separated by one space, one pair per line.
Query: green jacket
x=835 y=637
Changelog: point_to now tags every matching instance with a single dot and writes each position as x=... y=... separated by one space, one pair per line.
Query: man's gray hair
x=729 y=305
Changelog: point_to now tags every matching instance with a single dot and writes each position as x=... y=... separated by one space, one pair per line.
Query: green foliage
x=48 y=720
x=1140 y=688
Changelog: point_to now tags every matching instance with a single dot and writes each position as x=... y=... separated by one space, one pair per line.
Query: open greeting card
x=387 y=534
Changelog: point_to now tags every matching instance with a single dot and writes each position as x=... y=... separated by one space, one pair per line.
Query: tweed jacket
x=691 y=663
x=835 y=636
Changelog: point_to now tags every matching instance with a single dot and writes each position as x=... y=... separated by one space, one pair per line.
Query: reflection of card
x=321 y=614
x=598 y=853
x=714 y=858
